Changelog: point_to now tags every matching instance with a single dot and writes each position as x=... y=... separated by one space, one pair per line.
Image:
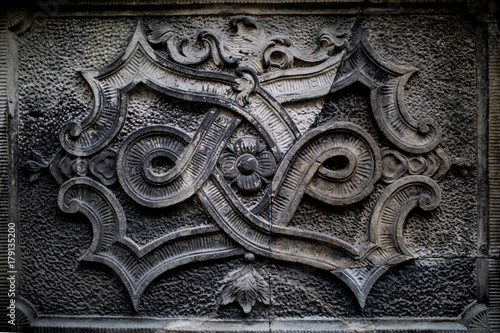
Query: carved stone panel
x=301 y=169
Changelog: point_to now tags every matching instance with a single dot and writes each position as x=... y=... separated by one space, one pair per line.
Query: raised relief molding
x=137 y=265
x=338 y=163
x=386 y=83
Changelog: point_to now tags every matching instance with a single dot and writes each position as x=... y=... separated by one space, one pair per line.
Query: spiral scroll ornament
x=338 y=164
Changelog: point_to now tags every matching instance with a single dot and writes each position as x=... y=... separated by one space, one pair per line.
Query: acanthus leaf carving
x=246 y=286
x=64 y=166
x=36 y=165
x=250 y=46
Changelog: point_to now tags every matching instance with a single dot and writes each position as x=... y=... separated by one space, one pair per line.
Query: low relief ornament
x=64 y=166
x=249 y=46
x=247 y=165
x=245 y=286
x=386 y=82
x=158 y=166
x=434 y=164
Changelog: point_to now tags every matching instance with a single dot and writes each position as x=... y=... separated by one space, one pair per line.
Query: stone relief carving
x=246 y=286
x=338 y=163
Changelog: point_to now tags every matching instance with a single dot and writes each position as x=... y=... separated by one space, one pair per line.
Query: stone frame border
x=488 y=99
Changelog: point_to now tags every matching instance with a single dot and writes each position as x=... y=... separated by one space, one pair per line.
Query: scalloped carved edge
x=386 y=81
x=359 y=267
x=137 y=266
x=141 y=64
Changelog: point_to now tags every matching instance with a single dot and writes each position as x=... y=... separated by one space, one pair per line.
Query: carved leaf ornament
x=338 y=163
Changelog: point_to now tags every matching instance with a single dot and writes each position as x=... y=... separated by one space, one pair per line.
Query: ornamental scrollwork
x=337 y=164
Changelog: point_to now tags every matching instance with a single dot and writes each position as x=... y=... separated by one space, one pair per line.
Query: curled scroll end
x=431 y=200
x=429 y=125
x=69 y=132
x=72 y=128
x=429 y=203
x=70 y=207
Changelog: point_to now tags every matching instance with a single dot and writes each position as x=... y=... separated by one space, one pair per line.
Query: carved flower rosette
x=337 y=164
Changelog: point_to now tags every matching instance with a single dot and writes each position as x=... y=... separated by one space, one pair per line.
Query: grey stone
x=300 y=169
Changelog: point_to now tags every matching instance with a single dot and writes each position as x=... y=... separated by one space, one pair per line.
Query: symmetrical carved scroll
x=250 y=46
x=338 y=163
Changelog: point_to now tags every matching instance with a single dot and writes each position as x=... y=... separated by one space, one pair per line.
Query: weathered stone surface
x=310 y=170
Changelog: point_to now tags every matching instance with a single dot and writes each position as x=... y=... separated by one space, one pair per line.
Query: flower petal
x=249 y=184
x=246 y=145
x=227 y=163
x=267 y=164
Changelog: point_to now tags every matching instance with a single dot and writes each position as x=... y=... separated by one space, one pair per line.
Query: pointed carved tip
x=358 y=33
x=135 y=303
x=359 y=282
x=140 y=27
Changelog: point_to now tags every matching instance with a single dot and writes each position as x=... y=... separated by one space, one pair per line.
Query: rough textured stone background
x=51 y=92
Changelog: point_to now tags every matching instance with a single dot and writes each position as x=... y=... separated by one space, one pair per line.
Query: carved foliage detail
x=64 y=166
x=249 y=46
x=246 y=286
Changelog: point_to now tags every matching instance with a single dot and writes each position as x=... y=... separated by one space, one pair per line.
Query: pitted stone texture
x=420 y=288
x=442 y=48
x=349 y=223
x=443 y=89
x=351 y=104
x=304 y=114
x=197 y=293
x=425 y=288
x=51 y=91
x=145 y=225
x=452 y=229
x=149 y=107
x=52 y=278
